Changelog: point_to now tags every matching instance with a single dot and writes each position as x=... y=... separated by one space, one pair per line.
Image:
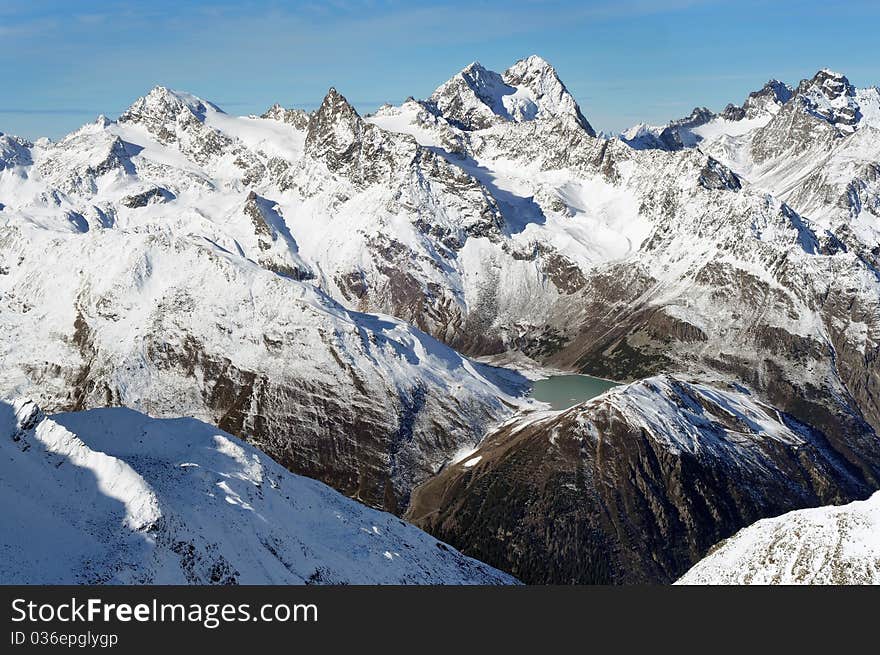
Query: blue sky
x=63 y=62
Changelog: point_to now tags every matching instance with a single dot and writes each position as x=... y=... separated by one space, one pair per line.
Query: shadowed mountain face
x=632 y=487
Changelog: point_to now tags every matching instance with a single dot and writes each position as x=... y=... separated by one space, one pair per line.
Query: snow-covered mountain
x=477 y=98
x=814 y=146
x=824 y=545
x=182 y=261
x=140 y=267
x=113 y=496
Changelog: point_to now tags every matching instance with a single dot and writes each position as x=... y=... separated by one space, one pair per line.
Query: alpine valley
x=364 y=299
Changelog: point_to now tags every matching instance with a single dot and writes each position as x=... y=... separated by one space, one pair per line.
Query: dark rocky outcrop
x=148 y=197
x=716 y=176
x=633 y=487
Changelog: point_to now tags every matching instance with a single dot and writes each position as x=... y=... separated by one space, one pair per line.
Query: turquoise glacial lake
x=564 y=391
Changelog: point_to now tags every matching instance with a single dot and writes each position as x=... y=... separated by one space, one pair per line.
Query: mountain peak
x=335 y=104
x=537 y=60
x=768 y=99
x=334 y=130
x=830 y=83
x=474 y=67
x=531 y=63
x=477 y=98
x=163 y=105
x=536 y=75
x=830 y=96
x=779 y=90
x=299 y=118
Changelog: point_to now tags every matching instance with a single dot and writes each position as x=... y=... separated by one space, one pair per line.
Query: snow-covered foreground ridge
x=824 y=545
x=113 y=496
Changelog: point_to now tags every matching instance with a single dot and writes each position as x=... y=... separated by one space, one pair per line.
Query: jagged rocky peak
x=830 y=83
x=334 y=110
x=716 y=176
x=163 y=111
x=698 y=116
x=683 y=133
x=768 y=99
x=14 y=151
x=299 y=118
x=671 y=136
x=780 y=92
x=675 y=135
x=733 y=112
x=334 y=129
x=164 y=103
x=336 y=106
x=831 y=97
x=551 y=95
x=471 y=100
x=477 y=98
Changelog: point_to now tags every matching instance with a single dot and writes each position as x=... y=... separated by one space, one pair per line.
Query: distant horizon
x=625 y=62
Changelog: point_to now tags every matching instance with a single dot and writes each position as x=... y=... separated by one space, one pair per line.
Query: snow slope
x=823 y=545
x=171 y=324
x=111 y=496
x=815 y=146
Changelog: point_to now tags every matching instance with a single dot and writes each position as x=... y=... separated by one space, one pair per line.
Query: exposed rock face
x=717 y=176
x=179 y=120
x=825 y=545
x=336 y=135
x=472 y=99
x=671 y=135
x=759 y=107
x=171 y=325
x=296 y=117
x=632 y=487
x=277 y=248
x=768 y=99
x=551 y=97
x=792 y=131
x=477 y=98
x=831 y=97
x=14 y=151
x=144 y=198
x=163 y=108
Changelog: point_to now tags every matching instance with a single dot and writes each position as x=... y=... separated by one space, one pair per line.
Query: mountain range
x=359 y=297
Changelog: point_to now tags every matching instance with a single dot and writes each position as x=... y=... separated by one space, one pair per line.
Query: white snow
x=113 y=496
x=824 y=545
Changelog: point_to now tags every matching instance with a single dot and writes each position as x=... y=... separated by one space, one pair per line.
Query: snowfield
x=111 y=496
x=825 y=545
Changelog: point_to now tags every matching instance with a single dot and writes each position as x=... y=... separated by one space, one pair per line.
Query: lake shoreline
x=530 y=369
